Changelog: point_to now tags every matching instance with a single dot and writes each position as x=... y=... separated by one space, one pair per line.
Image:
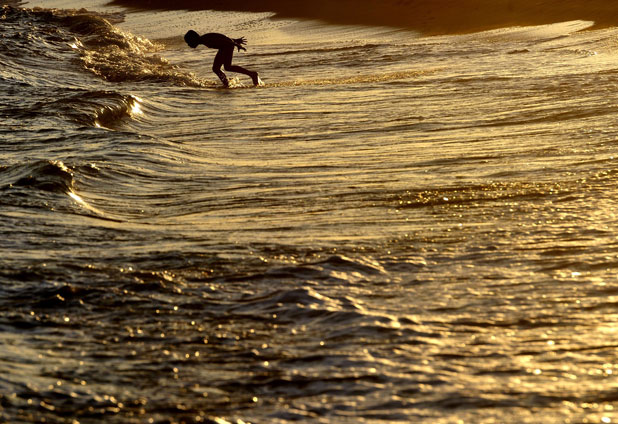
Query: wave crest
x=118 y=56
x=51 y=176
x=104 y=49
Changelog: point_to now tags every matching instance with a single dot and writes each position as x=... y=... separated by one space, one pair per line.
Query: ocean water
x=392 y=229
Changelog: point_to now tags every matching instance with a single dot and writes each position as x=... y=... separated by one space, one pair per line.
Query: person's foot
x=255 y=78
x=224 y=80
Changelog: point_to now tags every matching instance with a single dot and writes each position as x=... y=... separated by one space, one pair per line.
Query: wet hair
x=192 y=38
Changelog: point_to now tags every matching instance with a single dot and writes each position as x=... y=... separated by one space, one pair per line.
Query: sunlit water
x=393 y=228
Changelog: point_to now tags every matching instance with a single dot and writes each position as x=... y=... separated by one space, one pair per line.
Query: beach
x=409 y=221
x=427 y=16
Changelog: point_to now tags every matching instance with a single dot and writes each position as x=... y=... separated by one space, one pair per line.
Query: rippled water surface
x=394 y=228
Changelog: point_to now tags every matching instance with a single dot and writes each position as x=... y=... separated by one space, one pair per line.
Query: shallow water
x=394 y=228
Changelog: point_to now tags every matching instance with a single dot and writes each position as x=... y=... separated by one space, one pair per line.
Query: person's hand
x=239 y=42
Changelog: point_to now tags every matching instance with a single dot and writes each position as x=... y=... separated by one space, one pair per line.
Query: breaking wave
x=101 y=47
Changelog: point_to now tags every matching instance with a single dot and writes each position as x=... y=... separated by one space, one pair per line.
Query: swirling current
x=393 y=228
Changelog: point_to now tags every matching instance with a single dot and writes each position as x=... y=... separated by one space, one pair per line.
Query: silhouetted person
x=225 y=45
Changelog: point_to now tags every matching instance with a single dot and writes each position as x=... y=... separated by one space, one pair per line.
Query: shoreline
x=429 y=17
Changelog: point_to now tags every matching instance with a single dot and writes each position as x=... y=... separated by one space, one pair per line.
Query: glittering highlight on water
x=392 y=228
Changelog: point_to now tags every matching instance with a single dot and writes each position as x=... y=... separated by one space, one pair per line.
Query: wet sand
x=426 y=16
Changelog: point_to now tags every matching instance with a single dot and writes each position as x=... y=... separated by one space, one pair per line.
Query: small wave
x=304 y=306
x=335 y=269
x=51 y=176
x=101 y=109
x=22 y=184
x=357 y=79
x=103 y=49
x=97 y=108
x=118 y=56
x=116 y=64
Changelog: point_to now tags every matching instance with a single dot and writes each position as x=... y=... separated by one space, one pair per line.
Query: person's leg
x=227 y=57
x=220 y=60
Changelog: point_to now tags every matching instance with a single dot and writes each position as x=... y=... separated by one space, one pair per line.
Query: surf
x=352 y=80
x=236 y=83
x=408 y=228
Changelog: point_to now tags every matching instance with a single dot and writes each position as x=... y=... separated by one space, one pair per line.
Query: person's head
x=192 y=38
